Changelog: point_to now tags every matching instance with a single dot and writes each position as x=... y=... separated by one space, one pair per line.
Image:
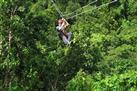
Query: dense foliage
x=102 y=57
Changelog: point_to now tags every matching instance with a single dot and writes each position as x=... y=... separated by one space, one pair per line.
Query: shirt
x=60 y=27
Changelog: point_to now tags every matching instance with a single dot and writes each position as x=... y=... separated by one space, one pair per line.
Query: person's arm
x=61 y=26
x=66 y=23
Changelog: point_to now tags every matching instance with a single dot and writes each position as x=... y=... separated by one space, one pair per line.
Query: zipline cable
x=57 y=9
x=92 y=9
x=80 y=8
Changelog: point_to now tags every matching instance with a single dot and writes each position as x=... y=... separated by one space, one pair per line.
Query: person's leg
x=69 y=36
x=65 y=40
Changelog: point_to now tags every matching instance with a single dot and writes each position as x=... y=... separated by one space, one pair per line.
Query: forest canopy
x=101 y=57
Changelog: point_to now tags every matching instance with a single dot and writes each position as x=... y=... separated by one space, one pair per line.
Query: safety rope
x=81 y=8
x=92 y=9
x=57 y=9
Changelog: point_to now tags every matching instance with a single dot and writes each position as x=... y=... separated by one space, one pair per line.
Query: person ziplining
x=62 y=24
x=61 y=27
